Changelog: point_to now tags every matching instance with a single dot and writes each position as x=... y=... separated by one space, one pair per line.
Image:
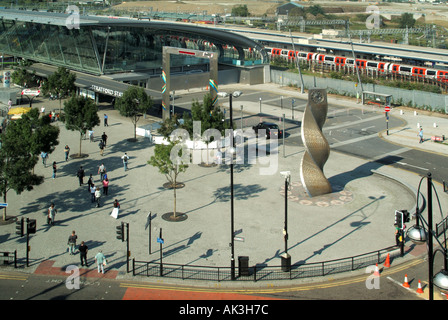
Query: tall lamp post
x=232 y=213
x=286 y=258
x=419 y=235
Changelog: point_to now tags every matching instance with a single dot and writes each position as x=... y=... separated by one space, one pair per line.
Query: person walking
x=125 y=159
x=97 y=196
x=101 y=146
x=91 y=135
x=66 y=151
x=420 y=134
x=116 y=209
x=83 y=249
x=101 y=261
x=51 y=214
x=105 y=186
x=104 y=138
x=102 y=171
x=90 y=182
x=80 y=174
x=105 y=120
x=92 y=193
x=44 y=157
x=72 y=242
x=54 y=169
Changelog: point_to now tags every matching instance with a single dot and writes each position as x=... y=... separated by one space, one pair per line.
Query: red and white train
x=379 y=66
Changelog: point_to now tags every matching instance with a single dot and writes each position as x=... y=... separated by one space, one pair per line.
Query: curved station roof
x=105 y=45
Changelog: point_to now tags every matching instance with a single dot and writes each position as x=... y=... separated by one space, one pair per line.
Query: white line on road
x=365 y=129
x=392 y=153
x=338 y=144
x=410 y=165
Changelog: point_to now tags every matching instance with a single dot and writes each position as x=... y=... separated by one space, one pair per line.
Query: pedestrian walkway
x=47 y=268
x=318 y=231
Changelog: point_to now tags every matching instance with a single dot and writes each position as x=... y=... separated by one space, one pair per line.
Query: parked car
x=271 y=129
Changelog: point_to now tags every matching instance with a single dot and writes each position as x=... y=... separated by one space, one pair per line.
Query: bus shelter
x=380 y=99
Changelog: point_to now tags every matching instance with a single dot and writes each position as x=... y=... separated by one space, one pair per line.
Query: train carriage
x=371 y=65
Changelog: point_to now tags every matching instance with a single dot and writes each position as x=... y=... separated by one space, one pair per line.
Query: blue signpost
x=160 y=240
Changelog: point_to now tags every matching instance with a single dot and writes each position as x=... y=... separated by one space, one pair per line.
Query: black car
x=271 y=128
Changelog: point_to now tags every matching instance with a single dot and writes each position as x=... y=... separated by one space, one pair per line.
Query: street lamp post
x=232 y=213
x=232 y=241
x=286 y=258
x=419 y=235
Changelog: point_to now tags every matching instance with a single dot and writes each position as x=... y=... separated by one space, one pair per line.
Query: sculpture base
x=297 y=193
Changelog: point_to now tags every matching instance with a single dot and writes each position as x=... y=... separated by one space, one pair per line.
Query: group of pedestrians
x=95 y=193
x=83 y=249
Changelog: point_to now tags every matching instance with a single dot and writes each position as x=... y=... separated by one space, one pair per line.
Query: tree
x=315 y=10
x=407 y=20
x=22 y=77
x=18 y=158
x=133 y=103
x=209 y=116
x=44 y=136
x=60 y=84
x=169 y=125
x=81 y=114
x=240 y=11
x=163 y=160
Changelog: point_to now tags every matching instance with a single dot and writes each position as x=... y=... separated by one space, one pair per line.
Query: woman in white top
x=51 y=214
x=97 y=196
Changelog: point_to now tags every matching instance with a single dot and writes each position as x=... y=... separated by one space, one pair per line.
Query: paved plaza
x=357 y=218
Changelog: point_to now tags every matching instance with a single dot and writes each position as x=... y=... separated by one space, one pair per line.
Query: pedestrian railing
x=8 y=258
x=262 y=272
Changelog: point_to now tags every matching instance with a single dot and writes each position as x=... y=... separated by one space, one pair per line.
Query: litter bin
x=243 y=266
x=286 y=262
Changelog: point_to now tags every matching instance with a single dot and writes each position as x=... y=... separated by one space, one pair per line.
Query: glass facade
x=104 y=49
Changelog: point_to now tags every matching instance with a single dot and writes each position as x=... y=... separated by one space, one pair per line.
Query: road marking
x=271 y=290
x=338 y=144
x=345 y=124
x=13 y=277
x=400 y=284
x=410 y=165
x=392 y=153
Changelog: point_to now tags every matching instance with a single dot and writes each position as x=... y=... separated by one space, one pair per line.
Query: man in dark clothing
x=101 y=146
x=104 y=138
x=80 y=174
x=90 y=182
x=83 y=253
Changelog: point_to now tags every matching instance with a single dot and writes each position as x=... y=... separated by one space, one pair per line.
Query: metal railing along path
x=262 y=272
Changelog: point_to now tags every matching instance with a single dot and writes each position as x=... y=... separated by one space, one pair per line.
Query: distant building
x=285 y=8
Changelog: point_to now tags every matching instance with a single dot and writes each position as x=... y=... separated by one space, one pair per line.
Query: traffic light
x=406 y=216
x=399 y=219
x=401 y=216
x=31 y=226
x=20 y=227
x=120 y=232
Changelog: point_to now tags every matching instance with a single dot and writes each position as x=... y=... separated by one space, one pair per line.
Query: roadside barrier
x=262 y=272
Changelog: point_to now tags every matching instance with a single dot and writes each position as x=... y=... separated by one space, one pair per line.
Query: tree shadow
x=240 y=192
x=76 y=201
x=125 y=145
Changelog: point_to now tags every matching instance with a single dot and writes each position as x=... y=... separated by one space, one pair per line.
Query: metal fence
x=414 y=98
x=262 y=272
x=8 y=258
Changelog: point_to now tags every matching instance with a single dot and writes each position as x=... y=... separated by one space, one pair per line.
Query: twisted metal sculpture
x=317 y=149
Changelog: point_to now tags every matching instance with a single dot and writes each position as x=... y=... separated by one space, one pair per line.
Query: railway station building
x=128 y=50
